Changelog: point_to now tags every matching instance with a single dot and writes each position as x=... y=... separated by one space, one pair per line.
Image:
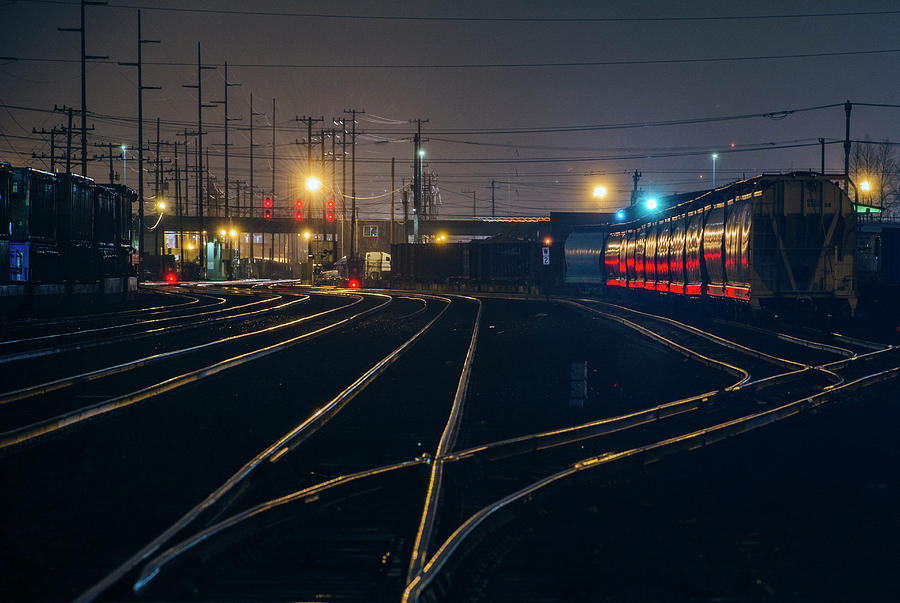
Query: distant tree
x=877 y=163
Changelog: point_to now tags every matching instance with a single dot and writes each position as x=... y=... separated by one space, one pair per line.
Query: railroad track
x=401 y=492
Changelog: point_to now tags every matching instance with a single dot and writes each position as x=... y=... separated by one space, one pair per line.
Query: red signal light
x=353 y=284
x=299 y=215
x=331 y=216
x=267 y=202
x=299 y=203
x=268 y=214
x=171 y=278
x=331 y=204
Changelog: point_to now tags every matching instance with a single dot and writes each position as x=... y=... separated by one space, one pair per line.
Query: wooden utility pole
x=353 y=113
x=391 y=228
x=140 y=87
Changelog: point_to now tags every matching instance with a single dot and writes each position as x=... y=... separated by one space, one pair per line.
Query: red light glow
x=353 y=284
x=171 y=278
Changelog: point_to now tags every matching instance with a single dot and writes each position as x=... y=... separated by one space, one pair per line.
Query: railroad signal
x=268 y=214
x=267 y=202
x=299 y=215
x=331 y=204
x=331 y=216
x=299 y=203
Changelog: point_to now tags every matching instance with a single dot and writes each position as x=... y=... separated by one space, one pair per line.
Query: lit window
x=370 y=231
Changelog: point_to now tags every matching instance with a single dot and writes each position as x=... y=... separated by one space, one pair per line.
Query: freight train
x=767 y=243
x=63 y=228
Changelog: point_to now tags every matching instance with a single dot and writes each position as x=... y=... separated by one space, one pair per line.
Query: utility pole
x=141 y=88
x=848 y=107
x=822 y=144
x=634 y=192
x=334 y=248
x=200 y=107
x=492 y=198
x=273 y=162
x=272 y=248
x=69 y=144
x=353 y=113
x=84 y=58
x=178 y=212
x=53 y=131
x=418 y=184
x=474 y=212
x=158 y=166
x=391 y=229
x=227 y=119
x=343 y=181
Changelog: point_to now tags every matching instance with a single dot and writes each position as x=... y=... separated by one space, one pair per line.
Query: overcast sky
x=472 y=67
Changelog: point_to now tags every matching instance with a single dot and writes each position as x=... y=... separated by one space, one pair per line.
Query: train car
x=6 y=176
x=34 y=254
x=768 y=242
x=75 y=206
x=112 y=229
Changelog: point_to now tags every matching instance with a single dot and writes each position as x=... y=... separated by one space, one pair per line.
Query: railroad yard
x=275 y=441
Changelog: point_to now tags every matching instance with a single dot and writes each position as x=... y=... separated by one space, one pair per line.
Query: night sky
x=476 y=71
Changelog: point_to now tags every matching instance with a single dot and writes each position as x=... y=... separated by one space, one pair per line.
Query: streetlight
x=421 y=152
x=125 y=164
x=714 y=157
x=600 y=191
x=313 y=184
x=651 y=204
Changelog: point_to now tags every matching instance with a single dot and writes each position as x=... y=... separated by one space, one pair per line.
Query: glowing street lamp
x=651 y=204
x=124 y=165
x=714 y=157
x=160 y=205
x=865 y=186
x=313 y=184
x=600 y=191
x=421 y=152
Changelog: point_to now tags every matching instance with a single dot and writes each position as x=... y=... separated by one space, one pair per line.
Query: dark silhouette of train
x=765 y=243
x=63 y=228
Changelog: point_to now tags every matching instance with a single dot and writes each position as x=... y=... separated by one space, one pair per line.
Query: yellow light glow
x=313 y=184
x=161 y=205
x=190 y=247
x=600 y=191
x=865 y=186
x=232 y=232
x=223 y=232
x=306 y=235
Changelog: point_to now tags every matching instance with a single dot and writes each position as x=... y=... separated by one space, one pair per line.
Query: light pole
x=125 y=165
x=714 y=157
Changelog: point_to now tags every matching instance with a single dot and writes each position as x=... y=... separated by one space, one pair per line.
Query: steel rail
x=154 y=332
x=23 y=324
x=272 y=453
x=302 y=432
x=142 y=322
x=808 y=343
x=56 y=384
x=29 y=432
x=307 y=495
x=743 y=374
x=871 y=345
x=643 y=454
x=839 y=364
x=448 y=439
x=712 y=337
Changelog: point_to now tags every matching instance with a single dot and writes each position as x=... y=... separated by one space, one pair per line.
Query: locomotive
x=63 y=228
x=761 y=244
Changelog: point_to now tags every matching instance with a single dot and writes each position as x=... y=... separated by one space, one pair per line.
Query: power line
x=631 y=62
x=261 y=13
